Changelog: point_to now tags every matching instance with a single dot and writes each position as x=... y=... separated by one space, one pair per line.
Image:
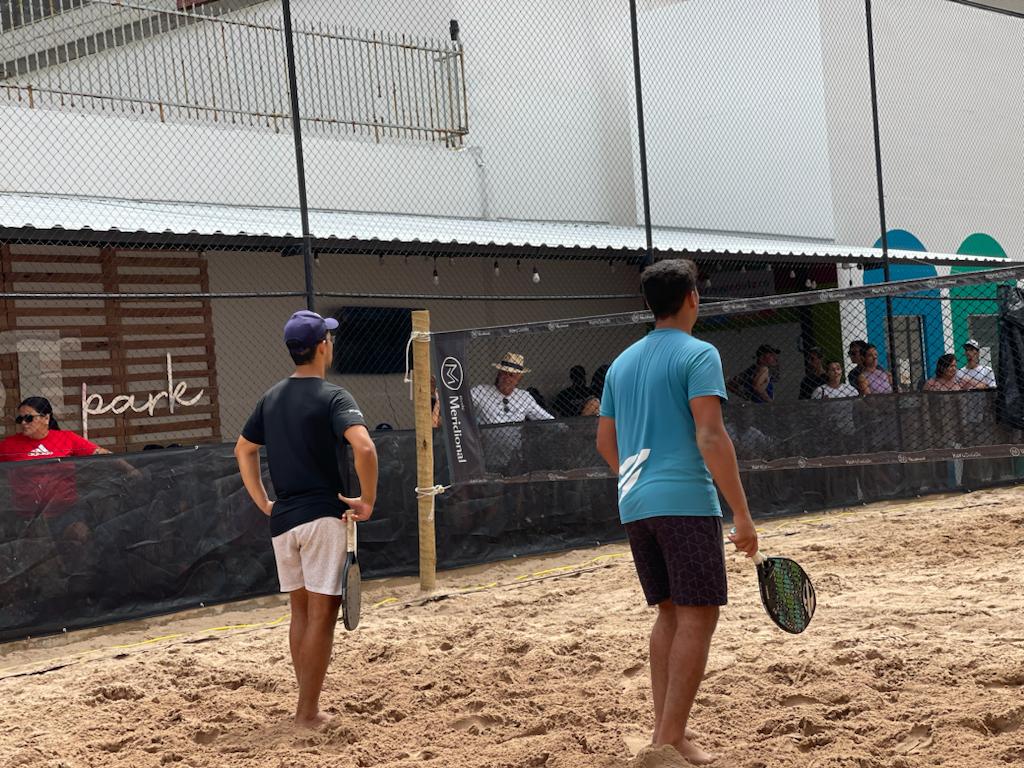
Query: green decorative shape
x=978 y=244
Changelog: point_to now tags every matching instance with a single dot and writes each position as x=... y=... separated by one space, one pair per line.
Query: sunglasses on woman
x=27 y=418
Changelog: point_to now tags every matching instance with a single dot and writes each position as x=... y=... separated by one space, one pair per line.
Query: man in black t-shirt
x=814 y=372
x=305 y=424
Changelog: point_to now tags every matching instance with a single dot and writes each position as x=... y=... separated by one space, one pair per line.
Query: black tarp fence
x=87 y=542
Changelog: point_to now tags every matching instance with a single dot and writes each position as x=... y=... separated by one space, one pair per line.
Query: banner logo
x=451 y=373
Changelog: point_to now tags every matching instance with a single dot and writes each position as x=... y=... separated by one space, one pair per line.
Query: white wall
x=758 y=119
x=549 y=97
x=950 y=121
x=734 y=110
x=113 y=156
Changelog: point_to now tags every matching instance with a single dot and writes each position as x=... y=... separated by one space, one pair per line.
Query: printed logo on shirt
x=40 y=450
x=629 y=472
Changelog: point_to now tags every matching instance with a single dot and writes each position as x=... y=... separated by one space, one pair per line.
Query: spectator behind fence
x=814 y=372
x=502 y=402
x=834 y=386
x=872 y=379
x=945 y=379
x=597 y=381
x=538 y=398
x=975 y=375
x=856 y=352
x=757 y=383
x=48 y=490
x=569 y=402
x=40 y=437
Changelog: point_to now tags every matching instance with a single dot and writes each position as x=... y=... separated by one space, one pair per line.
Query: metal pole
x=881 y=198
x=300 y=171
x=645 y=191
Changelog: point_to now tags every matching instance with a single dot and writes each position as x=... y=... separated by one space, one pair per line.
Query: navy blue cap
x=305 y=329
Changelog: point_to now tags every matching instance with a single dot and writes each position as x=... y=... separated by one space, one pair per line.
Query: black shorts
x=680 y=558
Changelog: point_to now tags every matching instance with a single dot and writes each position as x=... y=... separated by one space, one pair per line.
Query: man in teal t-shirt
x=661 y=429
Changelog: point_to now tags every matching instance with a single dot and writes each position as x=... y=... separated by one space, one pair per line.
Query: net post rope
x=419 y=336
x=433 y=492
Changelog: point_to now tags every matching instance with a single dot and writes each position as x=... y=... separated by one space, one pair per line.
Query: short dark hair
x=303 y=355
x=666 y=284
x=835 y=362
x=943 y=363
x=860 y=344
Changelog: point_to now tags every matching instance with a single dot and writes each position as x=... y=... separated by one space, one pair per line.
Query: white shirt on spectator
x=975 y=376
x=825 y=392
x=492 y=407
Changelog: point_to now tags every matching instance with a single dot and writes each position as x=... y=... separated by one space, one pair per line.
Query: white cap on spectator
x=972 y=343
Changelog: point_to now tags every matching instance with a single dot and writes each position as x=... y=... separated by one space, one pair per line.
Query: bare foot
x=315 y=723
x=688 y=734
x=692 y=753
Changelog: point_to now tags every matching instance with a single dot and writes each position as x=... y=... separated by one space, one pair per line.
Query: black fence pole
x=300 y=171
x=645 y=191
x=893 y=363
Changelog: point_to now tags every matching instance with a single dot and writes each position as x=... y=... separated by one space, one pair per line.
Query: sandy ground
x=915 y=658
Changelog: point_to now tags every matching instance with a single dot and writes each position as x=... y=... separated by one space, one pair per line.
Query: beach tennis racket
x=786 y=592
x=351 y=582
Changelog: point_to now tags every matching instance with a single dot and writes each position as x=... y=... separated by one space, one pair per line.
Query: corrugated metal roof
x=39 y=214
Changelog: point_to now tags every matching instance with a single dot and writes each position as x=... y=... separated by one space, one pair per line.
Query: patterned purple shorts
x=680 y=558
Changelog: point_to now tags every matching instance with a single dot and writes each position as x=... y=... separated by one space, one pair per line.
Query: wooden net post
x=424 y=446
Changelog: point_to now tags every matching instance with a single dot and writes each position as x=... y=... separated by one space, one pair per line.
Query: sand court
x=915 y=658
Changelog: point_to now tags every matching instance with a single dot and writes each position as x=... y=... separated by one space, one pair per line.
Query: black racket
x=351 y=582
x=786 y=592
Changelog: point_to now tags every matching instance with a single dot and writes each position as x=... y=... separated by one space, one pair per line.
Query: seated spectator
x=570 y=400
x=502 y=402
x=757 y=383
x=48 y=490
x=834 y=386
x=856 y=352
x=945 y=379
x=974 y=374
x=814 y=372
x=538 y=398
x=592 y=407
x=597 y=382
x=872 y=379
x=39 y=436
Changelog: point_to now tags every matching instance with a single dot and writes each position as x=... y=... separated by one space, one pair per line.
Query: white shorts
x=312 y=556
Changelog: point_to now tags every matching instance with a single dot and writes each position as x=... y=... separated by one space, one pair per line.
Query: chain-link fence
x=807 y=387
x=179 y=176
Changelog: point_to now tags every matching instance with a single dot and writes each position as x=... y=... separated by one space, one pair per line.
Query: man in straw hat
x=502 y=402
x=661 y=432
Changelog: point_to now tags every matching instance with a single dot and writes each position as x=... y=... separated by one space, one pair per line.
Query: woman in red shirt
x=39 y=436
x=47 y=490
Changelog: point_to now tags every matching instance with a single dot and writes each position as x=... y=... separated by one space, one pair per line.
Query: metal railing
x=187 y=65
x=21 y=13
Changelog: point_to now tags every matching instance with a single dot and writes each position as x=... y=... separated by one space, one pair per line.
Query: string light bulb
x=497 y=269
x=435 y=277
x=536 y=276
